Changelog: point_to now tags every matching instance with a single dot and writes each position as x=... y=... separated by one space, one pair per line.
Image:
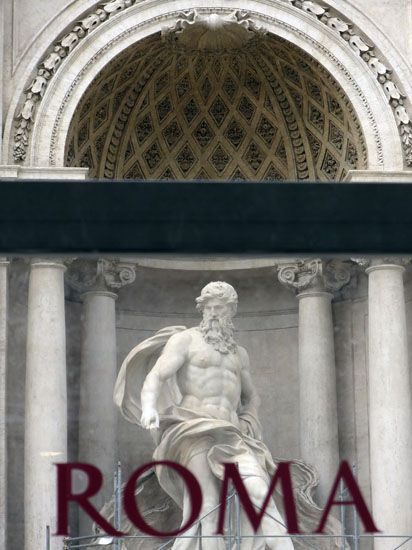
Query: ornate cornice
x=315 y=275
x=64 y=47
x=100 y=276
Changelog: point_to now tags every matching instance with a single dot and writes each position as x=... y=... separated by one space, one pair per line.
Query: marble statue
x=192 y=388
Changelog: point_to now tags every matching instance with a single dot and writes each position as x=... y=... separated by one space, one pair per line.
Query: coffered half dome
x=262 y=111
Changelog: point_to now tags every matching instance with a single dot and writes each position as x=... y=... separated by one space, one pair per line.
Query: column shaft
x=3 y=429
x=390 y=413
x=318 y=408
x=98 y=415
x=46 y=401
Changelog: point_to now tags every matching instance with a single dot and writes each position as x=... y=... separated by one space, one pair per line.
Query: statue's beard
x=218 y=333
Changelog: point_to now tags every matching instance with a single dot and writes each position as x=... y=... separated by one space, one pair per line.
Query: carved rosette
x=315 y=275
x=103 y=275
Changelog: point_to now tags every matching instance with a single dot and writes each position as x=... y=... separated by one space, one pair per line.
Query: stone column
x=46 y=400
x=390 y=410
x=3 y=432
x=314 y=281
x=98 y=415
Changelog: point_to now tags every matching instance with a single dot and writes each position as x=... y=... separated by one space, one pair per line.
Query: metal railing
x=233 y=535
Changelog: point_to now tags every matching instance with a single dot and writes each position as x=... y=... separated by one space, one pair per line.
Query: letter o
x=132 y=510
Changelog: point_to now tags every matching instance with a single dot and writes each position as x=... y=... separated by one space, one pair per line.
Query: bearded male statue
x=192 y=388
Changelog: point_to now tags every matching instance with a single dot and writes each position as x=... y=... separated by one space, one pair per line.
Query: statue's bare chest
x=204 y=356
x=209 y=374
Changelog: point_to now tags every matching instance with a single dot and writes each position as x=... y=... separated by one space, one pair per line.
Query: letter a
x=255 y=518
x=346 y=475
x=65 y=495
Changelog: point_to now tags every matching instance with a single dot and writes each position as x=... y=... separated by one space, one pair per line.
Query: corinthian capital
x=315 y=275
x=100 y=275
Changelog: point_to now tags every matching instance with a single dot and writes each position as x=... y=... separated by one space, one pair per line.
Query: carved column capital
x=314 y=275
x=102 y=275
x=382 y=262
x=59 y=263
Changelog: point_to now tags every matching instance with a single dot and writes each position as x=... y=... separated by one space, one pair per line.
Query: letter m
x=231 y=473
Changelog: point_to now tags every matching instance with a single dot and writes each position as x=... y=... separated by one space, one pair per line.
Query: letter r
x=65 y=495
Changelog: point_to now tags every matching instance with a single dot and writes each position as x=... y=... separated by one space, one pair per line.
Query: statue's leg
x=272 y=522
x=211 y=494
x=248 y=536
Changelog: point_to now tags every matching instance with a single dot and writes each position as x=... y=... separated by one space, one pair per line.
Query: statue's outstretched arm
x=173 y=357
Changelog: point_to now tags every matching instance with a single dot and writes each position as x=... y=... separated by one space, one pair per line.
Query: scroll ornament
x=101 y=275
x=316 y=275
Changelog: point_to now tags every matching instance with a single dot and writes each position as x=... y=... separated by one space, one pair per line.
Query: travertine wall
x=392 y=17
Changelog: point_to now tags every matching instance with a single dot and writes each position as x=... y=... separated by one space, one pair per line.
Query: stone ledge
x=379 y=176
x=13 y=171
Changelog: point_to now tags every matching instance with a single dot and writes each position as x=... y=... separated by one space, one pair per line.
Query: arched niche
x=54 y=114
x=262 y=111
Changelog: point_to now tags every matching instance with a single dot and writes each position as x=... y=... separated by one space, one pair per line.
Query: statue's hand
x=150 y=419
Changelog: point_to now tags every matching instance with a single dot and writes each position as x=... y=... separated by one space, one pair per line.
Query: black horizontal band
x=203 y=217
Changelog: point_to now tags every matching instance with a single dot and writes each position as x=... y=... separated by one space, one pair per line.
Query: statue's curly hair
x=217 y=289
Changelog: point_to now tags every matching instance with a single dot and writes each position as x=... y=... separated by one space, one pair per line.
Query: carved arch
x=61 y=96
